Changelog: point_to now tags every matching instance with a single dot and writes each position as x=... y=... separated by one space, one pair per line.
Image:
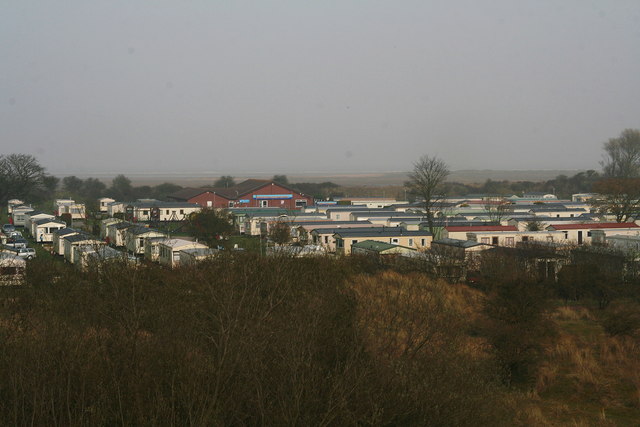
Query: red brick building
x=250 y=193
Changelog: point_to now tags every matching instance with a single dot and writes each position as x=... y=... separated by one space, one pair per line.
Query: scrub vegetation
x=245 y=339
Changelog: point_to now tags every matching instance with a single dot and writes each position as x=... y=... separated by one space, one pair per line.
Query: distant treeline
x=120 y=188
x=563 y=186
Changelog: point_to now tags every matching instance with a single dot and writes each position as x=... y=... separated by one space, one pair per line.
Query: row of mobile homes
x=513 y=238
x=154 y=211
x=582 y=233
x=302 y=230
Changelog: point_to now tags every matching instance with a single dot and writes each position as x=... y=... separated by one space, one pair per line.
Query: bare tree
x=619 y=197
x=224 y=181
x=498 y=208
x=426 y=181
x=21 y=176
x=622 y=155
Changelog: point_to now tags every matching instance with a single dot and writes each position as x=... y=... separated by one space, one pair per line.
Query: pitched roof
x=65 y=231
x=483 y=228
x=373 y=245
x=594 y=225
x=458 y=243
x=80 y=238
x=138 y=230
x=189 y=193
x=380 y=232
x=48 y=221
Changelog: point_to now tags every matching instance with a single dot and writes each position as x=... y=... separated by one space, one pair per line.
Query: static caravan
x=58 y=239
x=32 y=217
x=117 y=233
x=135 y=237
x=196 y=255
x=73 y=241
x=11 y=204
x=103 y=204
x=19 y=215
x=169 y=250
x=42 y=229
x=152 y=248
x=89 y=257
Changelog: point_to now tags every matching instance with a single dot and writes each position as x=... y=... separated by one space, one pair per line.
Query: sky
x=212 y=86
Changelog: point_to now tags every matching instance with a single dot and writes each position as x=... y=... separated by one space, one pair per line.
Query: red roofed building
x=257 y=193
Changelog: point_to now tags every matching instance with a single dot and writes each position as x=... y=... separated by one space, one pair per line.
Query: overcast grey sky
x=332 y=85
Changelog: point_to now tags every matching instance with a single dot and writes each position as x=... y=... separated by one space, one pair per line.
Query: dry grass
x=587 y=378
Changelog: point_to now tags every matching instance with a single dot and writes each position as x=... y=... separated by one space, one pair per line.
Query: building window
x=509 y=241
x=410 y=242
x=394 y=241
x=326 y=239
x=181 y=211
x=494 y=240
x=264 y=203
x=484 y=240
x=566 y=235
x=230 y=204
x=301 y=203
x=340 y=243
x=423 y=242
x=209 y=203
x=338 y=216
x=167 y=211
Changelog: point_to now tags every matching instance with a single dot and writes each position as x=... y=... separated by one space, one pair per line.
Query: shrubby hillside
x=245 y=340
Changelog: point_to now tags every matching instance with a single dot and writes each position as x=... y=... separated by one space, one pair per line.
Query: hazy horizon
x=334 y=86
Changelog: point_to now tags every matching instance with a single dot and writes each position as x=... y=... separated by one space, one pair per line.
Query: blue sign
x=273 y=196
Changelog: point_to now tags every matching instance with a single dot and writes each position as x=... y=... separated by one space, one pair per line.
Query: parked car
x=16 y=242
x=28 y=253
x=8 y=228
